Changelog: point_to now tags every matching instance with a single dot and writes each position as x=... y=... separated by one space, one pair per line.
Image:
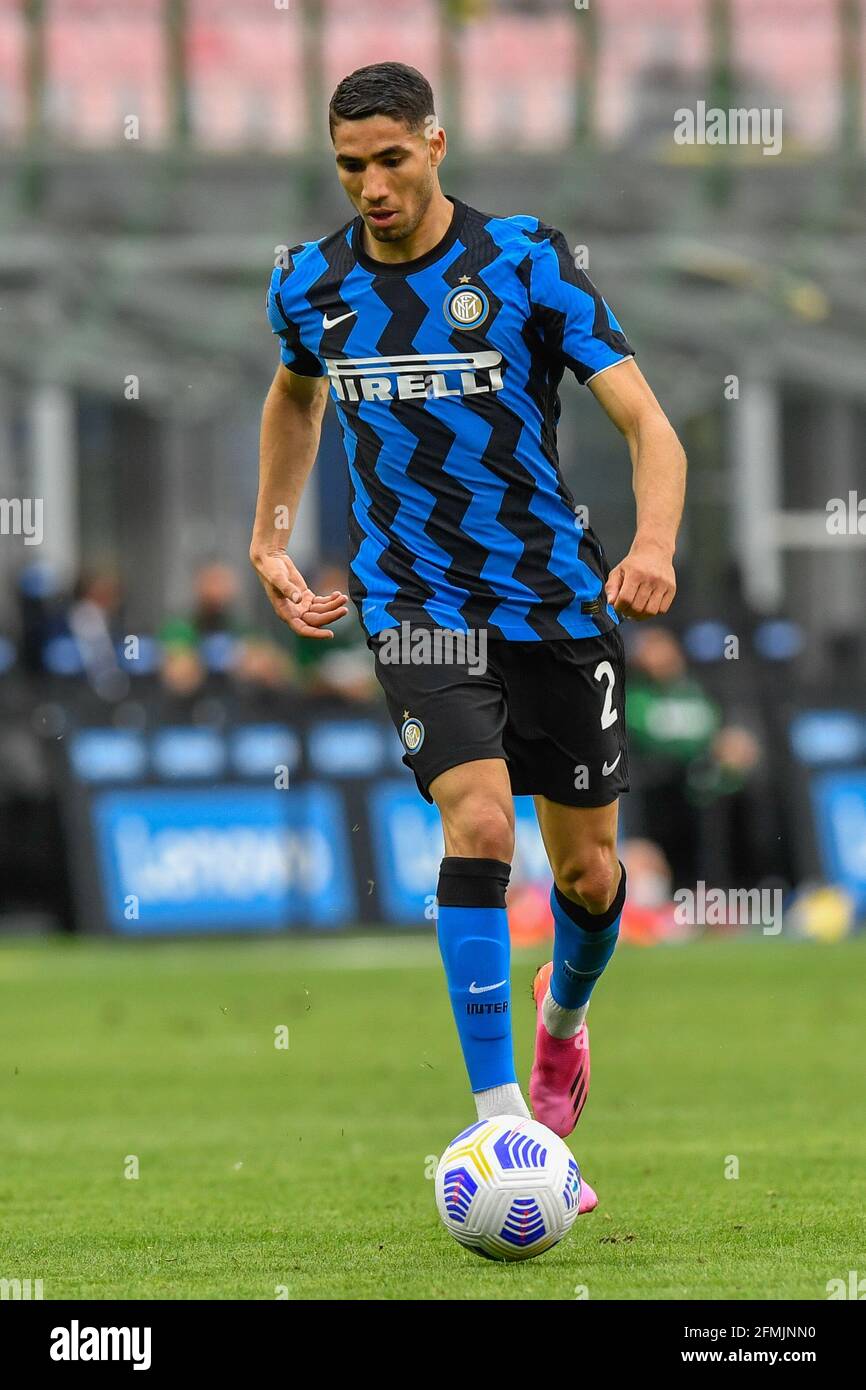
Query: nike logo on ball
x=607 y=770
x=332 y=323
x=483 y=989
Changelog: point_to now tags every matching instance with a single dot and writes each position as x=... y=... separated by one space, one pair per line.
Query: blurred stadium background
x=170 y=760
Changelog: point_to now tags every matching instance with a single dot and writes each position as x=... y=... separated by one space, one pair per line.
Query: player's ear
x=438 y=145
x=434 y=137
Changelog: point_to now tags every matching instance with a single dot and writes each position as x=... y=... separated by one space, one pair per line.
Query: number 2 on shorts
x=605 y=672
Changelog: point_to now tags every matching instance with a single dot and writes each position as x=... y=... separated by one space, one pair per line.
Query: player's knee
x=591 y=880
x=480 y=830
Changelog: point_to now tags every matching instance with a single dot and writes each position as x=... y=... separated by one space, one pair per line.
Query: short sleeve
x=293 y=354
x=576 y=324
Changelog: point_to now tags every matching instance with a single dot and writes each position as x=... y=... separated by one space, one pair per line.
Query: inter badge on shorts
x=412 y=734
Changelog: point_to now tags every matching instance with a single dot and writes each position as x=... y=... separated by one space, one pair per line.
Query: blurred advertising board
x=828 y=789
x=319 y=826
x=254 y=828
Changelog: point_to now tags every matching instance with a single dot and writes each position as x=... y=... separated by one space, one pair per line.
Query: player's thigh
x=477 y=809
x=565 y=736
x=446 y=714
x=581 y=846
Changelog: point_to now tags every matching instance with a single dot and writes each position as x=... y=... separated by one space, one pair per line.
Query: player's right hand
x=292 y=599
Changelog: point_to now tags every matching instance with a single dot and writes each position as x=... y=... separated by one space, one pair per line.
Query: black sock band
x=472 y=882
x=591 y=921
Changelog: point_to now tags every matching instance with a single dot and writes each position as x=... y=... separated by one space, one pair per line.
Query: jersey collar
x=421 y=262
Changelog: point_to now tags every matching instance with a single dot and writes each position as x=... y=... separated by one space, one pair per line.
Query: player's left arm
x=643 y=584
x=580 y=331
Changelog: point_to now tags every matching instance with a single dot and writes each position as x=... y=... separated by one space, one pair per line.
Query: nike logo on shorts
x=483 y=989
x=608 y=768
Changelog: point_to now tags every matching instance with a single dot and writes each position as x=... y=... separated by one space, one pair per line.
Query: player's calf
x=584 y=942
x=472 y=930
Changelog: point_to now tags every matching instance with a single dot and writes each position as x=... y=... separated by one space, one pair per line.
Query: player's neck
x=429 y=232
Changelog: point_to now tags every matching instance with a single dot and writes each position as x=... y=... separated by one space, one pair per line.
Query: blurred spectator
x=671 y=721
x=40 y=603
x=733 y=756
x=261 y=665
x=230 y=654
x=214 y=611
x=182 y=678
x=649 y=874
x=735 y=805
x=181 y=671
x=648 y=915
x=264 y=682
x=93 y=620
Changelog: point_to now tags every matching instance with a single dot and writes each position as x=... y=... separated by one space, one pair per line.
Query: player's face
x=388 y=172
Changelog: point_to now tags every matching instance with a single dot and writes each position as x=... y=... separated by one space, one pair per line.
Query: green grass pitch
x=306 y=1171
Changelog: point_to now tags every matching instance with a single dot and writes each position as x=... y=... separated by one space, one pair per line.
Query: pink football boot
x=559 y=1084
x=588 y=1199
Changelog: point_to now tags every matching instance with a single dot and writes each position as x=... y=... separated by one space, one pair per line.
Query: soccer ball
x=507 y=1188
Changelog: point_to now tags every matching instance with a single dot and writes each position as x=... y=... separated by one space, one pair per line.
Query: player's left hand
x=642 y=585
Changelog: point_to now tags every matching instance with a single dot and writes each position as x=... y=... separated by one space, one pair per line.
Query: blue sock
x=472 y=930
x=582 y=946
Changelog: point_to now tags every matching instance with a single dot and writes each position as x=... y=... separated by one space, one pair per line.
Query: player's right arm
x=291 y=427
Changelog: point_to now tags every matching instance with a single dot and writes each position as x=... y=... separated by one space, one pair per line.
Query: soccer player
x=443 y=334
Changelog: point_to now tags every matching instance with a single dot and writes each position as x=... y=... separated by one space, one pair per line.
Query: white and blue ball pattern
x=508 y=1188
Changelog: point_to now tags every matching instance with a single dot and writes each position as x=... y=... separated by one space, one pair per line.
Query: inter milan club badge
x=412 y=734
x=466 y=307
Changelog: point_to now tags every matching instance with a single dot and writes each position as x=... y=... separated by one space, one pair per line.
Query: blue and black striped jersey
x=445 y=374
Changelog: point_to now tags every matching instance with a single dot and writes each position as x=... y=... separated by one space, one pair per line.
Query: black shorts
x=555 y=711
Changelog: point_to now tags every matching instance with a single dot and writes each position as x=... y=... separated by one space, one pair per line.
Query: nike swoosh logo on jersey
x=332 y=323
x=607 y=770
x=483 y=989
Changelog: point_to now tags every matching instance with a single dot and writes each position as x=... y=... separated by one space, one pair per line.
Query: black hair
x=383 y=89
